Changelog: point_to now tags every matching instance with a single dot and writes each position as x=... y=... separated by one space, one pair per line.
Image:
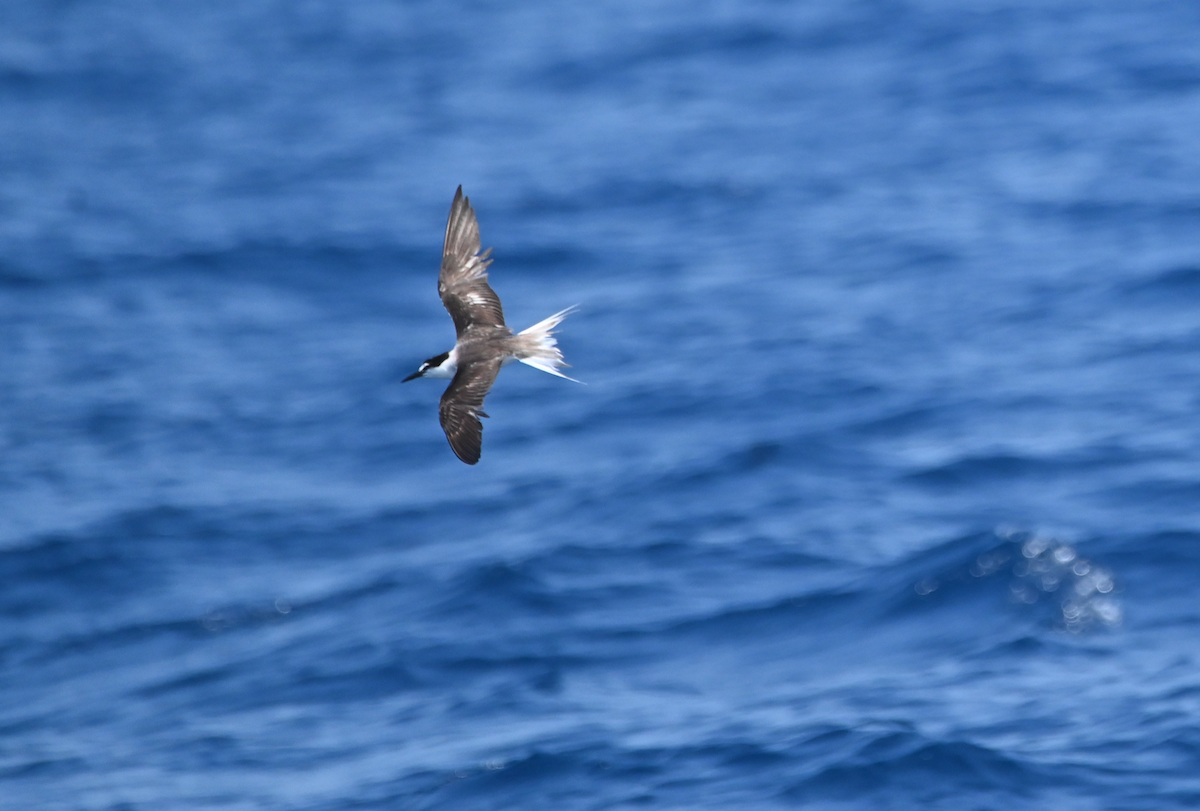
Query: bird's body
x=485 y=343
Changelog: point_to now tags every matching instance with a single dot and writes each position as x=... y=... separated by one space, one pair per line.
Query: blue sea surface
x=883 y=491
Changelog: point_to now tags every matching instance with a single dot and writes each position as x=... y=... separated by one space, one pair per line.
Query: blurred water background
x=884 y=491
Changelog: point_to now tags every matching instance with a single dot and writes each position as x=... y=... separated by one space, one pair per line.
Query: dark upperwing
x=462 y=283
x=462 y=406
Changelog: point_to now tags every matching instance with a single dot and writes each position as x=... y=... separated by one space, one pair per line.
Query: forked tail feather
x=538 y=348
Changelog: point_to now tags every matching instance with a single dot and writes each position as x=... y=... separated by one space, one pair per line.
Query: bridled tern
x=484 y=342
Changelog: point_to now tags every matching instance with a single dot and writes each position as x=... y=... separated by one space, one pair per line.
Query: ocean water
x=883 y=491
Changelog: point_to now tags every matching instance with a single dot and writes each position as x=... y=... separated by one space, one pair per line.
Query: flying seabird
x=484 y=342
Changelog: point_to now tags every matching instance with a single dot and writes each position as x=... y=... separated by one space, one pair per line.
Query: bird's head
x=439 y=366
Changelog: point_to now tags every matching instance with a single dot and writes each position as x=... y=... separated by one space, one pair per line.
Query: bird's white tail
x=537 y=347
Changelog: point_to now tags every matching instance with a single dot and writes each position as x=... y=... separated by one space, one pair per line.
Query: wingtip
x=467 y=460
x=461 y=206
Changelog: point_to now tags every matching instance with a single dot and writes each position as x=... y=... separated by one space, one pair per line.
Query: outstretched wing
x=462 y=284
x=462 y=406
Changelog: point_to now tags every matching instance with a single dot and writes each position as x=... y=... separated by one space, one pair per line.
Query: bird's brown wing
x=462 y=283
x=462 y=406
